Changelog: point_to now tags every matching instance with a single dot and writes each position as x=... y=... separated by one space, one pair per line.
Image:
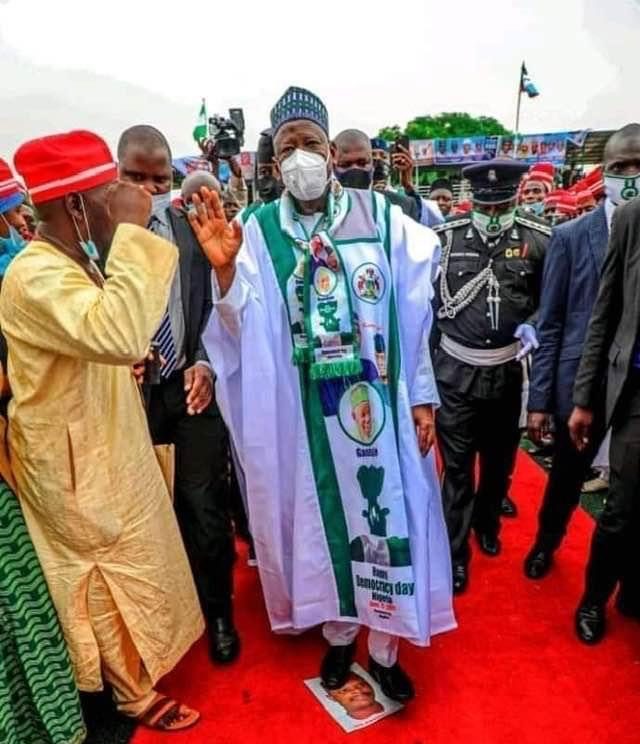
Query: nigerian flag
x=526 y=83
x=200 y=129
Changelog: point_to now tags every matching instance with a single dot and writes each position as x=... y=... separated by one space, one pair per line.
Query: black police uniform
x=481 y=401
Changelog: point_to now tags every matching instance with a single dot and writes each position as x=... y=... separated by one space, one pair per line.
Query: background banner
x=531 y=148
x=422 y=151
x=550 y=148
x=461 y=150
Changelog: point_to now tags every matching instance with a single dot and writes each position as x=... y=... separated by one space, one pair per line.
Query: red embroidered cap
x=585 y=199
x=8 y=184
x=62 y=164
x=595 y=182
x=11 y=192
x=562 y=201
x=542 y=172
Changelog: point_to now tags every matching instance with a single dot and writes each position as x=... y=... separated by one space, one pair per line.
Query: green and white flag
x=200 y=130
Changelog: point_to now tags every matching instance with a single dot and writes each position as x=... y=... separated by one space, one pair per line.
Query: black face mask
x=269 y=188
x=380 y=171
x=354 y=178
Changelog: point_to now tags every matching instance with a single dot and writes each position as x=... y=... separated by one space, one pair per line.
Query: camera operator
x=236 y=186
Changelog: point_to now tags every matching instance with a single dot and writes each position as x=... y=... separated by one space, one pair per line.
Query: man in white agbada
x=322 y=305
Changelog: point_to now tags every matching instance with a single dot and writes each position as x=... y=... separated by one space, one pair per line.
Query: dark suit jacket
x=616 y=316
x=407 y=204
x=570 y=283
x=195 y=286
x=195 y=280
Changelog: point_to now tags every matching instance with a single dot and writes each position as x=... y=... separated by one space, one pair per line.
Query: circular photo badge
x=368 y=283
x=324 y=281
x=362 y=413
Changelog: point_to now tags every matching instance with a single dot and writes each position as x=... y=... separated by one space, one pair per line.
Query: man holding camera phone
x=181 y=409
x=352 y=144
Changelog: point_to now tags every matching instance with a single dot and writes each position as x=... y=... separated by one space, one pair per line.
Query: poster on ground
x=357 y=704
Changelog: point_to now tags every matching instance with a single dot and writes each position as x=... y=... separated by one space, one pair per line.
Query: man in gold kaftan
x=92 y=491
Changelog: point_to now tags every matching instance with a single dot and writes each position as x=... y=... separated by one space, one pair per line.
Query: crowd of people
x=179 y=372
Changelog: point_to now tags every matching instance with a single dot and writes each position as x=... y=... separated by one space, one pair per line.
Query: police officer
x=487 y=296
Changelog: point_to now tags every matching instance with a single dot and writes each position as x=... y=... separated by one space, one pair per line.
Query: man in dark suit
x=612 y=352
x=181 y=409
x=356 y=167
x=569 y=288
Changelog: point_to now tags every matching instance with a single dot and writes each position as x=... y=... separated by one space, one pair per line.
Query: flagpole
x=518 y=113
x=517 y=130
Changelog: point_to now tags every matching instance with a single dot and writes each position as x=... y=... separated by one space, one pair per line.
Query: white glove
x=526 y=334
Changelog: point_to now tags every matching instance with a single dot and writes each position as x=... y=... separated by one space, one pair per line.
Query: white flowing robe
x=249 y=342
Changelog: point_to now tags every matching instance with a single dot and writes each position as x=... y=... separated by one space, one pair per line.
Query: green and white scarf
x=318 y=297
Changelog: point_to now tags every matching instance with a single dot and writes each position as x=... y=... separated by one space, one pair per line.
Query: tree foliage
x=442 y=126
x=391 y=133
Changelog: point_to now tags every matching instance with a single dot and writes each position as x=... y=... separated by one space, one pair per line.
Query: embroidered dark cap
x=298 y=103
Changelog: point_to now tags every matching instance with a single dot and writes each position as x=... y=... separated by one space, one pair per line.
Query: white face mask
x=621 y=189
x=159 y=205
x=536 y=208
x=88 y=246
x=491 y=226
x=305 y=175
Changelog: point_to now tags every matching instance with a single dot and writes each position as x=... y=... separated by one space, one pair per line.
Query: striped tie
x=164 y=339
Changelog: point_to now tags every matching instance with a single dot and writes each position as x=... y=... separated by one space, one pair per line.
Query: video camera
x=228 y=134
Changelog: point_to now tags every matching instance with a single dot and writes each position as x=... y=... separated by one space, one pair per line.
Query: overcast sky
x=373 y=63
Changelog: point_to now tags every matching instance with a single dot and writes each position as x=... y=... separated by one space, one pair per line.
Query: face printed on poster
x=357 y=704
x=362 y=413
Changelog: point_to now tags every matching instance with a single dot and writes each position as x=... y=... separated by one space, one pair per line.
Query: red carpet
x=512 y=673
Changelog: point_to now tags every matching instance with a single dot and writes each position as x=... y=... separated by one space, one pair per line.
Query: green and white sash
x=352 y=417
x=318 y=300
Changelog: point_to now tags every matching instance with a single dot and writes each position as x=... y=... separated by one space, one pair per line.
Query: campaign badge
x=368 y=283
x=324 y=281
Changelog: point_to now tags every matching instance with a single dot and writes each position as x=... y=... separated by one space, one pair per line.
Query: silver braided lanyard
x=466 y=295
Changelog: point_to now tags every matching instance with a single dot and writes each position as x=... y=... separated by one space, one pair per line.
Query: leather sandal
x=165 y=714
